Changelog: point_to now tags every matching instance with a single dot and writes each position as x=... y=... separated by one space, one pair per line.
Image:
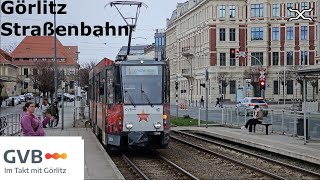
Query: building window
x=25 y=85
x=232 y=87
x=275 y=10
x=232 y=35
x=304 y=32
x=222 y=59
x=254 y=58
x=275 y=87
x=304 y=58
x=275 y=34
x=290 y=33
x=222 y=11
x=275 y=58
x=289 y=86
x=26 y=59
x=305 y=5
x=232 y=11
x=290 y=58
x=257 y=33
x=62 y=59
x=290 y=6
x=222 y=34
x=256 y=10
x=25 y=71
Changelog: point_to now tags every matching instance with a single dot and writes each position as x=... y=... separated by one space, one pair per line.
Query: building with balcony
x=37 y=50
x=205 y=34
x=8 y=75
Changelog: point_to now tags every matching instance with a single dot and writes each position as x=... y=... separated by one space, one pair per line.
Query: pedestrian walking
x=257 y=118
x=202 y=102
x=30 y=124
x=218 y=102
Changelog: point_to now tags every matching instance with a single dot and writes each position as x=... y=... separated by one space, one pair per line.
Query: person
x=202 y=102
x=49 y=118
x=37 y=111
x=44 y=107
x=30 y=124
x=54 y=111
x=257 y=118
x=218 y=102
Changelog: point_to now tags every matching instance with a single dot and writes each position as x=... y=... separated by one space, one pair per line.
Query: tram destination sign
x=142 y=70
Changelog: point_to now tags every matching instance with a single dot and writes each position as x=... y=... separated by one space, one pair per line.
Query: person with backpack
x=54 y=111
x=257 y=118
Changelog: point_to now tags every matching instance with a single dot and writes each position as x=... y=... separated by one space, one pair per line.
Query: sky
x=96 y=13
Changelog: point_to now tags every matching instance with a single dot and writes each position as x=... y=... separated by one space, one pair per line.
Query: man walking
x=202 y=102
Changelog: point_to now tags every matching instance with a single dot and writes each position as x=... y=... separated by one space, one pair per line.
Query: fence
x=10 y=125
x=283 y=121
x=80 y=113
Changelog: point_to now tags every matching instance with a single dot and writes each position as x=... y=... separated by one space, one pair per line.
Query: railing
x=81 y=113
x=283 y=121
x=10 y=125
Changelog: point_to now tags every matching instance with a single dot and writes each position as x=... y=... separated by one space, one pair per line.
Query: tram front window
x=142 y=85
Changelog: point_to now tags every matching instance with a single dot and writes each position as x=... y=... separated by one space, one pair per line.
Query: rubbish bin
x=300 y=127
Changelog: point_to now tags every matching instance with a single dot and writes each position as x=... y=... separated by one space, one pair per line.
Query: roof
x=139 y=49
x=5 y=58
x=308 y=71
x=72 y=51
x=42 y=47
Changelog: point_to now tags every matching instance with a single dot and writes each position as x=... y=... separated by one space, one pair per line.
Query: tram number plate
x=157 y=133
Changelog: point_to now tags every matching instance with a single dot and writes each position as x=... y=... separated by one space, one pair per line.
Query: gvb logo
x=33 y=156
x=300 y=14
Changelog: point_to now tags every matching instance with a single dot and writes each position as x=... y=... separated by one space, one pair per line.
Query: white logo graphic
x=300 y=14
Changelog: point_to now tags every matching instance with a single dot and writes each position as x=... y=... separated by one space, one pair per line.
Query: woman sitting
x=257 y=118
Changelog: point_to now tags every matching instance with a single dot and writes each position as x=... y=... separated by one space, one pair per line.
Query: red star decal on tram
x=143 y=116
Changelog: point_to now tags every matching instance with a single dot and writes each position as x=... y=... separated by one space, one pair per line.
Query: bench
x=264 y=124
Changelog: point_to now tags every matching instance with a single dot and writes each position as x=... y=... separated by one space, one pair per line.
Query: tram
x=130 y=103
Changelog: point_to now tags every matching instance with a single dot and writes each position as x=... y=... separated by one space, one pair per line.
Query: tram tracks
x=262 y=165
x=150 y=166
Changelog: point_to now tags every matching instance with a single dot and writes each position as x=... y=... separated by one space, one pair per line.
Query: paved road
x=230 y=117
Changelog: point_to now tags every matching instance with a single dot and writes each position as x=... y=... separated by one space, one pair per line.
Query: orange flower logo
x=56 y=156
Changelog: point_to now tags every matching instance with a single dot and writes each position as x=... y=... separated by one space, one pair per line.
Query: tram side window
x=110 y=91
x=166 y=87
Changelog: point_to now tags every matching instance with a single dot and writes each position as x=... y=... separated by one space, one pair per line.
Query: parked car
x=29 y=96
x=247 y=104
x=9 y=101
x=23 y=98
x=18 y=98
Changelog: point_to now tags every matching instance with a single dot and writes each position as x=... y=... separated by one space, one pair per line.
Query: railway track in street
x=269 y=167
x=150 y=166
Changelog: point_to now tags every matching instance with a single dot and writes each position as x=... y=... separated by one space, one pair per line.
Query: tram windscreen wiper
x=130 y=98
x=146 y=96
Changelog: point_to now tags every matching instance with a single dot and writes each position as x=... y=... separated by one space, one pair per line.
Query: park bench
x=264 y=124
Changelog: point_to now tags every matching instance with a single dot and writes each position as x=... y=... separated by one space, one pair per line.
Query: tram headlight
x=129 y=126
x=157 y=125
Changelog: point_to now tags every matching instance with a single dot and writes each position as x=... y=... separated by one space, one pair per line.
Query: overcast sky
x=93 y=12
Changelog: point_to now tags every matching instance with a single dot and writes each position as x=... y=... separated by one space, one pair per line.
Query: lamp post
x=75 y=77
x=55 y=57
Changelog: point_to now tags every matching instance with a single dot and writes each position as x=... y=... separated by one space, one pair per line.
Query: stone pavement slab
x=98 y=165
x=281 y=144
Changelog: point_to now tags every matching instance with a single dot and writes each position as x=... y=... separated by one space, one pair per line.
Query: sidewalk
x=281 y=144
x=98 y=164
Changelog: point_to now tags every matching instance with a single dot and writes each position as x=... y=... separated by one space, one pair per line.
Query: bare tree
x=224 y=78
x=314 y=85
x=44 y=77
x=84 y=72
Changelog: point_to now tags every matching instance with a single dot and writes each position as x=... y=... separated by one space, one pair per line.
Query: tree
x=84 y=72
x=44 y=77
x=223 y=78
x=254 y=74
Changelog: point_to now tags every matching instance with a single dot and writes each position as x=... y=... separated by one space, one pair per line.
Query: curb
x=106 y=155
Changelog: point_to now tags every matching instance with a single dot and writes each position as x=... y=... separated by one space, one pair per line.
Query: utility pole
x=207 y=96
x=75 y=77
x=177 y=87
x=62 y=99
x=55 y=57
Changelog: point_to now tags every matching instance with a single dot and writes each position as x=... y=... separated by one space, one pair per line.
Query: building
x=37 y=49
x=204 y=34
x=160 y=45
x=150 y=50
x=8 y=76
